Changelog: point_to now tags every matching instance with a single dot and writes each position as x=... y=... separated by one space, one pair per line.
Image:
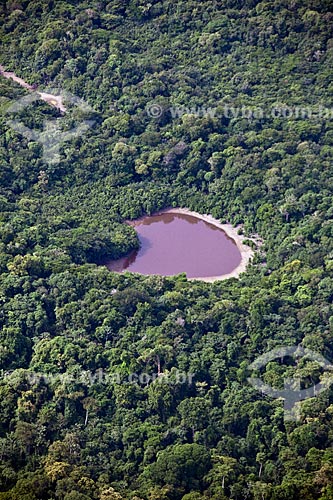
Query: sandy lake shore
x=231 y=231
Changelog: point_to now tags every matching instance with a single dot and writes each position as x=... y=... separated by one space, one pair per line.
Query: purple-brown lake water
x=178 y=243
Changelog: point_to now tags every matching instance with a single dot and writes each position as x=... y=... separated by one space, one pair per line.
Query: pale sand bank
x=245 y=251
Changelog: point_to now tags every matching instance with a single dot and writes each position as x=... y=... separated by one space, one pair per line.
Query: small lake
x=173 y=243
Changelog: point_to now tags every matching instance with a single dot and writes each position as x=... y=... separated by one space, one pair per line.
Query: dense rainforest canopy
x=74 y=423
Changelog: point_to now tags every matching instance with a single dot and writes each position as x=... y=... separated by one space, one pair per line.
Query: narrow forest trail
x=53 y=100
